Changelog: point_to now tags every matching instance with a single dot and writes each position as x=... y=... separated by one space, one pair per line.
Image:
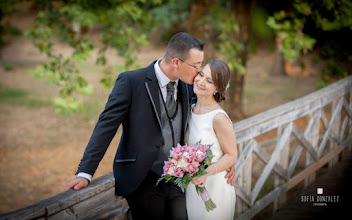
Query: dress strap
x=217 y=111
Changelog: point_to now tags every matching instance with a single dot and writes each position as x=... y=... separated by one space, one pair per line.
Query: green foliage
x=125 y=26
x=168 y=17
x=67 y=104
x=6 y=8
x=289 y=27
x=170 y=13
x=332 y=69
x=7 y=67
x=258 y=23
x=225 y=29
x=327 y=15
x=333 y=15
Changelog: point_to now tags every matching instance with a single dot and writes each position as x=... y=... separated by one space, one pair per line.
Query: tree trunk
x=242 y=10
x=279 y=60
x=199 y=9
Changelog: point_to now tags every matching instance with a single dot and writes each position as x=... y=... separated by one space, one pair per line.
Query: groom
x=153 y=105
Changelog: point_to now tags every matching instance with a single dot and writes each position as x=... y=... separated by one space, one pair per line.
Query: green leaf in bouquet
x=159 y=180
x=201 y=172
x=170 y=179
x=179 y=182
x=209 y=157
x=187 y=179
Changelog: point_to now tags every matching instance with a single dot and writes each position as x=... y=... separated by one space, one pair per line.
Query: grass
x=90 y=110
x=16 y=97
x=21 y=97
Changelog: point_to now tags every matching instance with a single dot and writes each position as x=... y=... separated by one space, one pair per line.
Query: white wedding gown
x=200 y=127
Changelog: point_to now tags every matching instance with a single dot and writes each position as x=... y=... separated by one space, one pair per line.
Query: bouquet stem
x=209 y=204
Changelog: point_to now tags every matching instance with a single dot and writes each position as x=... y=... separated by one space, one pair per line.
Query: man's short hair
x=180 y=45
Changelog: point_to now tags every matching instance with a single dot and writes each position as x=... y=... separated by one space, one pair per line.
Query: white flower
x=181 y=163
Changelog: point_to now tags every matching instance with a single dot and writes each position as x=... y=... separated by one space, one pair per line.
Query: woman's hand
x=200 y=181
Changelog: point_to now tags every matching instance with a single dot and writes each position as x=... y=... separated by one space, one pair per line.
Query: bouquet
x=188 y=162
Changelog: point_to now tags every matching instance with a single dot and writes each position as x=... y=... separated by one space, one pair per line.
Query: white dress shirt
x=163 y=80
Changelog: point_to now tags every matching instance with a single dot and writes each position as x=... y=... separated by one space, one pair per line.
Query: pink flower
x=178 y=172
x=192 y=168
x=200 y=156
x=177 y=152
x=189 y=156
x=168 y=164
x=202 y=148
x=185 y=159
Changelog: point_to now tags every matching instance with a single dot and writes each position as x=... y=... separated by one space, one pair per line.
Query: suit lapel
x=152 y=88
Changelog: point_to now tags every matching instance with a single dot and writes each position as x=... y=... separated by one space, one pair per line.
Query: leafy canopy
x=125 y=25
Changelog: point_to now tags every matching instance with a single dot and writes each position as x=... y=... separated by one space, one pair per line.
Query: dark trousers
x=165 y=201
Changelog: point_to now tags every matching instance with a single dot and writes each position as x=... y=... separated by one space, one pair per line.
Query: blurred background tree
x=6 y=28
x=304 y=24
x=230 y=28
x=124 y=24
x=225 y=27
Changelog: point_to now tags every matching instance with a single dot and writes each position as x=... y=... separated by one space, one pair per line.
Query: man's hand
x=78 y=183
x=230 y=176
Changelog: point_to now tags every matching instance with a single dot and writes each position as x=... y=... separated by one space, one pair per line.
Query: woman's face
x=203 y=83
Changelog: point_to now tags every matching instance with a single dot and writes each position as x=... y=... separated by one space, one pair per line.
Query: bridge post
x=313 y=137
x=247 y=176
x=239 y=183
x=283 y=161
x=335 y=131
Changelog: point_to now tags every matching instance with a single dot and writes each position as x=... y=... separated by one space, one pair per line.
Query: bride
x=210 y=124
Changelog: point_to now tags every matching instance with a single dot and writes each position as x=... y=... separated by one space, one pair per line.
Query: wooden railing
x=97 y=201
x=299 y=132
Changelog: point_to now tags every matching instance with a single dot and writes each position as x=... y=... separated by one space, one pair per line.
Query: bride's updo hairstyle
x=220 y=73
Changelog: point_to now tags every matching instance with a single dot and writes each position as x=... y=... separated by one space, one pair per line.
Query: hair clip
x=228 y=85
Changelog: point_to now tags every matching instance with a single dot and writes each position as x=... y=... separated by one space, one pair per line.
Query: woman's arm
x=227 y=140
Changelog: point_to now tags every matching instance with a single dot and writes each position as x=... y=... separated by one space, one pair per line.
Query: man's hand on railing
x=78 y=183
x=230 y=175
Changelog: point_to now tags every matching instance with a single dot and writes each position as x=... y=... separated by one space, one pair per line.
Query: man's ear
x=175 y=61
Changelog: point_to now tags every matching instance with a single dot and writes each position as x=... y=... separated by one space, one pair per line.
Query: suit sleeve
x=110 y=119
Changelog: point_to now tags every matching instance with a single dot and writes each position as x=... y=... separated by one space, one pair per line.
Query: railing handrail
x=324 y=96
x=65 y=200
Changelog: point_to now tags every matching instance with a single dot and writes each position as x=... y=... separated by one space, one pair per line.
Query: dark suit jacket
x=134 y=102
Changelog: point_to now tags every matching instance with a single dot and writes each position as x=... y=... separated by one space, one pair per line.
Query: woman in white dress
x=211 y=125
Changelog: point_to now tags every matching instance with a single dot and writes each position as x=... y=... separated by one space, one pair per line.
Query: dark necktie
x=170 y=101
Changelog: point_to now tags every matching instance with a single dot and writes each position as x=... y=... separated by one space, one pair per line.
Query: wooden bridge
x=281 y=151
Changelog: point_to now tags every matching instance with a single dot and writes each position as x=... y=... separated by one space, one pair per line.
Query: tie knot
x=170 y=87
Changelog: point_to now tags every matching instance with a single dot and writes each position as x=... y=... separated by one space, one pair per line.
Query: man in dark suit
x=153 y=105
